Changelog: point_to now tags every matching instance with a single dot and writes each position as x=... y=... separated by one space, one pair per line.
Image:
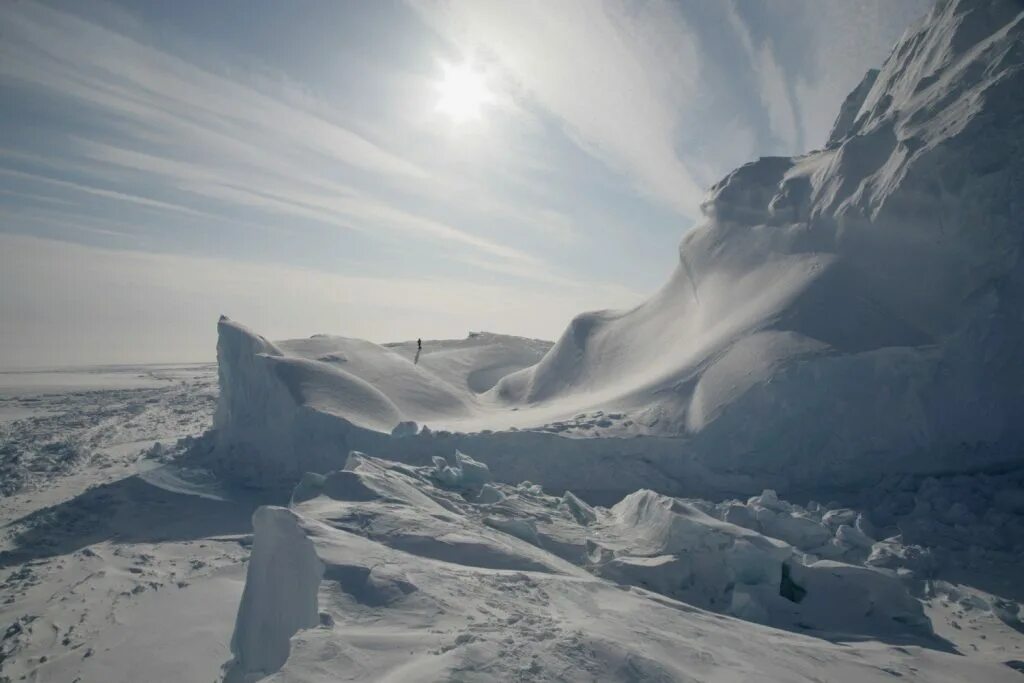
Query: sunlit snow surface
x=387 y=572
x=105 y=576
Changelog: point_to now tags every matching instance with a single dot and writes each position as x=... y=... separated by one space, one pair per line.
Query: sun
x=462 y=93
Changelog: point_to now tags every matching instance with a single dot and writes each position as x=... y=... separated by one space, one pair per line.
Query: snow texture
x=397 y=576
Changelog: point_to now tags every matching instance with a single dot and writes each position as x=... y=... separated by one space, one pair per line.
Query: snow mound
x=852 y=311
x=293 y=407
x=836 y=318
x=380 y=572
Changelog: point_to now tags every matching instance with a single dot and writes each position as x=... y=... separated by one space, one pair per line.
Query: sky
x=385 y=170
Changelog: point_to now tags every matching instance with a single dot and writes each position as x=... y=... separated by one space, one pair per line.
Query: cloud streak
x=199 y=134
x=675 y=94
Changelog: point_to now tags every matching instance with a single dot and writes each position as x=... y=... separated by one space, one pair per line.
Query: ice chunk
x=768 y=499
x=474 y=473
x=664 y=574
x=795 y=529
x=840 y=596
x=740 y=515
x=465 y=473
x=520 y=528
x=836 y=518
x=489 y=494
x=581 y=512
x=280 y=596
x=404 y=429
x=854 y=537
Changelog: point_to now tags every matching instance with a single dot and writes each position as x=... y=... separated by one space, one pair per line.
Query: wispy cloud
x=609 y=119
x=172 y=127
x=100 y=192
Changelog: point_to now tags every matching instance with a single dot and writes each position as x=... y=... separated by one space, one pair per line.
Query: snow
x=465 y=472
x=280 y=592
x=799 y=460
x=105 y=576
x=386 y=598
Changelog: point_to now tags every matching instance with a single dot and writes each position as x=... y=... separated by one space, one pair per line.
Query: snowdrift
x=854 y=310
x=382 y=572
x=837 y=317
x=299 y=406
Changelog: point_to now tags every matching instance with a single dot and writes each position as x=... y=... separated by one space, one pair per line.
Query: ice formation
x=854 y=311
x=838 y=317
x=638 y=501
x=383 y=572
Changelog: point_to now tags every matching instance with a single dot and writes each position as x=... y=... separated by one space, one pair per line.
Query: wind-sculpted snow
x=382 y=572
x=837 y=317
x=889 y=263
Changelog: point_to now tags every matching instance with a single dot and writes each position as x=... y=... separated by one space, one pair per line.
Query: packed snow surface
x=112 y=566
x=115 y=558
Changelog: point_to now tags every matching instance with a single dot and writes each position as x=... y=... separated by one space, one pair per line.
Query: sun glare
x=462 y=93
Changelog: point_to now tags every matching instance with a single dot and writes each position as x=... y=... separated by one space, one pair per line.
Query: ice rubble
x=837 y=317
x=381 y=571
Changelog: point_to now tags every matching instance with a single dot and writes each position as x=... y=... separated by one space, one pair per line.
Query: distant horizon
x=212 y=360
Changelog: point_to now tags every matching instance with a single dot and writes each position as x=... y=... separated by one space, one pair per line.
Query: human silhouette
x=419 y=344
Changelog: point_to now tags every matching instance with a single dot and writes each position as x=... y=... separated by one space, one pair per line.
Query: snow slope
x=836 y=317
x=300 y=405
x=854 y=310
x=382 y=572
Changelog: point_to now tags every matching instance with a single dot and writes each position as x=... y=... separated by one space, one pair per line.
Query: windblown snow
x=799 y=460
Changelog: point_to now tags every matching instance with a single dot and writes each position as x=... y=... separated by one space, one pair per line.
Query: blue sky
x=287 y=164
